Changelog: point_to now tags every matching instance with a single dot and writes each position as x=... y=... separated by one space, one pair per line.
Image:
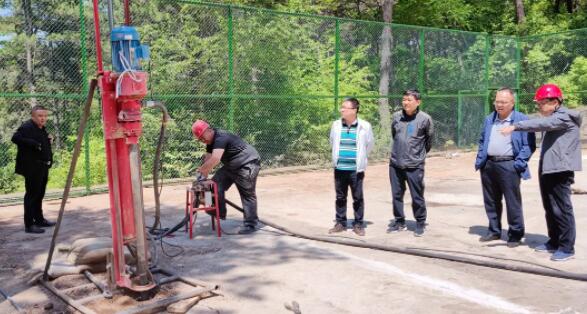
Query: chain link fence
x=275 y=78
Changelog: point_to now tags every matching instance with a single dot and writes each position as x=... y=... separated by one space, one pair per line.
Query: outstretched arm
x=211 y=160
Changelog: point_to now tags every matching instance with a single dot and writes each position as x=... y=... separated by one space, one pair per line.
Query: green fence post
x=421 y=63
x=486 y=78
x=84 y=60
x=459 y=117
x=518 y=71
x=230 y=71
x=336 y=65
x=421 y=66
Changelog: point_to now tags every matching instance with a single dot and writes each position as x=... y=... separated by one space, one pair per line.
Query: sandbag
x=90 y=251
x=94 y=251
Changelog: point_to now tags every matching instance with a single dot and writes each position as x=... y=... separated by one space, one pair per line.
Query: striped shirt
x=347 y=153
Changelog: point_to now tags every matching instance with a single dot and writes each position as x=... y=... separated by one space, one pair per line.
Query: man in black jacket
x=33 y=160
x=411 y=131
x=240 y=165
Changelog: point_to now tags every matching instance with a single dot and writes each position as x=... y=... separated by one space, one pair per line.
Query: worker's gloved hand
x=200 y=176
x=201 y=172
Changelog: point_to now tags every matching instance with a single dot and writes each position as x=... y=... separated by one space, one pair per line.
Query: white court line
x=469 y=294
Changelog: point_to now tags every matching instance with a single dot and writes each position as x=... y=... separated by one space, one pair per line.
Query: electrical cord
x=181 y=249
x=127 y=70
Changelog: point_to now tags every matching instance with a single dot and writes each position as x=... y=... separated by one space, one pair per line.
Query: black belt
x=500 y=158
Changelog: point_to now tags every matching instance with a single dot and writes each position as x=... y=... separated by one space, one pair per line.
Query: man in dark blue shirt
x=33 y=160
x=240 y=165
x=503 y=161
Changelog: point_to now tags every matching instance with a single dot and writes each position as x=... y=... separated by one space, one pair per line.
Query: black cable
x=157 y=163
x=487 y=256
x=181 y=249
x=547 y=271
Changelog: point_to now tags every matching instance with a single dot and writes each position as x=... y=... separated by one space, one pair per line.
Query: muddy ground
x=258 y=273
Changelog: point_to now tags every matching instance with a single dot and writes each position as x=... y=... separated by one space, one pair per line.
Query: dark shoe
x=512 y=243
x=397 y=227
x=246 y=230
x=34 y=229
x=337 y=228
x=45 y=223
x=546 y=248
x=420 y=227
x=359 y=230
x=560 y=256
x=489 y=237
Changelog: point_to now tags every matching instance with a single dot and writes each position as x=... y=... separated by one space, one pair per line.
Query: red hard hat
x=548 y=91
x=199 y=127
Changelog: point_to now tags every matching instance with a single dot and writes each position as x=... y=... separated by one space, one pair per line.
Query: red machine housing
x=122 y=129
x=121 y=95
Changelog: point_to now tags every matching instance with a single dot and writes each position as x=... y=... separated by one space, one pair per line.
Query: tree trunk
x=570 y=6
x=557 y=6
x=29 y=47
x=520 y=11
x=385 y=70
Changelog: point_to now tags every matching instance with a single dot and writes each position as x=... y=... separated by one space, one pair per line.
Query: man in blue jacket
x=560 y=157
x=503 y=160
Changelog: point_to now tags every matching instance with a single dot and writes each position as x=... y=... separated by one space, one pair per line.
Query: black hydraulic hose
x=157 y=161
x=68 y=182
x=428 y=254
x=182 y=223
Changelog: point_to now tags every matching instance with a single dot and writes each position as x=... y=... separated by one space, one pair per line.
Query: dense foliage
x=277 y=78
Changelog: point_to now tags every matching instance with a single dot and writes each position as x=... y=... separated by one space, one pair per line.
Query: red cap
x=199 y=127
x=548 y=91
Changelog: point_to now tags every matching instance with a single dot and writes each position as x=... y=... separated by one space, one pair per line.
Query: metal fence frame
x=232 y=96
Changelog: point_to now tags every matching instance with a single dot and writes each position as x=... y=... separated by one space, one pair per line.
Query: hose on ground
x=548 y=272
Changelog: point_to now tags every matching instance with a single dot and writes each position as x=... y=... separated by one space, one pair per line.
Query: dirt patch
x=258 y=273
x=70 y=281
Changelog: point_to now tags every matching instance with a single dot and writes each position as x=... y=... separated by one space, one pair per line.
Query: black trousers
x=501 y=180
x=35 y=186
x=414 y=177
x=245 y=179
x=555 y=189
x=342 y=181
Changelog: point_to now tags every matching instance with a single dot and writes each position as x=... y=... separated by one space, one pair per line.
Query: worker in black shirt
x=33 y=160
x=240 y=165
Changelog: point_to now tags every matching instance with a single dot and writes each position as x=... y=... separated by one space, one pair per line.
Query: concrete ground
x=261 y=272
